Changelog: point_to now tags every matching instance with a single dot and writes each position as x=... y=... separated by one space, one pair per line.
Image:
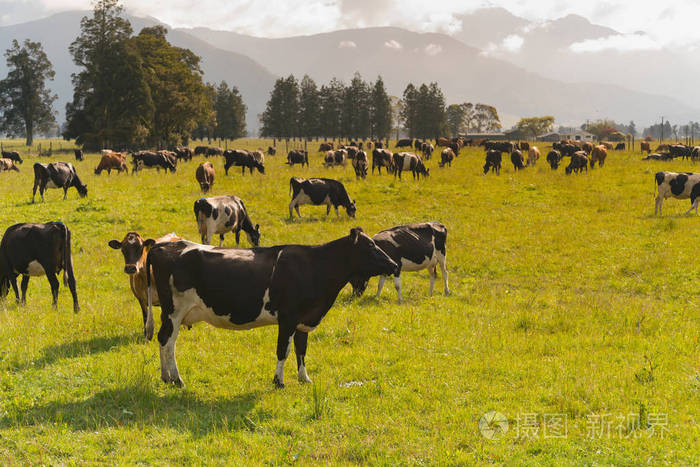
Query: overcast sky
x=667 y=23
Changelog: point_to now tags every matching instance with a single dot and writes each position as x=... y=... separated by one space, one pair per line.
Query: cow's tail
x=149 y=293
x=68 y=275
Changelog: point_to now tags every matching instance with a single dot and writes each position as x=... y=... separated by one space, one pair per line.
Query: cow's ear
x=355 y=234
x=115 y=244
x=257 y=227
x=149 y=243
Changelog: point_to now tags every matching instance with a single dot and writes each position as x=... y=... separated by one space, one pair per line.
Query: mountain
x=464 y=73
x=58 y=31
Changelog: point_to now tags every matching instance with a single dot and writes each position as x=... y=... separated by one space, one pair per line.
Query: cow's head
x=132 y=247
x=254 y=236
x=367 y=259
x=260 y=167
x=351 y=209
x=82 y=190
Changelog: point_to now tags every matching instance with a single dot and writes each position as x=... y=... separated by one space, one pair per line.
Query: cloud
x=432 y=49
x=619 y=42
x=347 y=45
x=512 y=43
x=392 y=44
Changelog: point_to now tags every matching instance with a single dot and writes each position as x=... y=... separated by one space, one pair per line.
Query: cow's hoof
x=76 y=309
x=305 y=379
x=278 y=384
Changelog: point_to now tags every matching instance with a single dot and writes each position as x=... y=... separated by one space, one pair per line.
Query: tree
x=381 y=111
x=601 y=129
x=309 y=108
x=230 y=113
x=409 y=111
x=280 y=118
x=356 y=109
x=25 y=102
x=535 y=126
x=468 y=109
x=207 y=123
x=331 y=97
x=486 y=118
x=455 y=118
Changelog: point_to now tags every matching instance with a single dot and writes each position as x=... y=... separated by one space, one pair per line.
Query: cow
x=298 y=156
x=680 y=186
x=620 y=147
x=271 y=151
x=645 y=146
x=493 y=161
x=446 y=157
x=149 y=160
x=444 y=142
x=213 y=152
x=533 y=154
x=598 y=155
x=318 y=191
x=243 y=159
x=337 y=157
x=8 y=164
x=223 y=214
x=327 y=146
x=516 y=157
x=409 y=161
x=12 y=155
x=413 y=248
x=350 y=151
x=57 y=175
x=184 y=153
x=360 y=163
x=292 y=286
x=404 y=143
x=553 y=158
x=680 y=150
x=579 y=162
x=79 y=154
x=37 y=250
x=658 y=157
x=428 y=150
x=200 y=150
x=502 y=146
x=378 y=145
x=524 y=146
x=587 y=147
x=115 y=160
x=135 y=249
x=205 y=176
x=382 y=158
x=170 y=155
x=695 y=153
x=608 y=145
x=567 y=149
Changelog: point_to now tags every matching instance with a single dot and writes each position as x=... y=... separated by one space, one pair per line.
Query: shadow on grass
x=138 y=406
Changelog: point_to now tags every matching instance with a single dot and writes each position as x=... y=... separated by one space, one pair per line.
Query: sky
x=670 y=23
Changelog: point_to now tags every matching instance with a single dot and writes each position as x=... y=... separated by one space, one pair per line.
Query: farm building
x=566 y=133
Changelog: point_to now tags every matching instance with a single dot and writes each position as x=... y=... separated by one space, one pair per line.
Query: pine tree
x=309 y=108
x=409 y=111
x=230 y=113
x=332 y=108
x=380 y=111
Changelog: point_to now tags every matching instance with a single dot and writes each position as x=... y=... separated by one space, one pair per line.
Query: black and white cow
x=360 y=163
x=56 y=175
x=243 y=158
x=579 y=163
x=298 y=156
x=516 y=157
x=318 y=191
x=680 y=186
x=553 y=158
x=409 y=161
x=493 y=161
x=413 y=247
x=382 y=158
x=152 y=160
x=292 y=286
x=12 y=155
x=36 y=250
x=223 y=214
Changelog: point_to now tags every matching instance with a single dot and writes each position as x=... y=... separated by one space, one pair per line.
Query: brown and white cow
x=533 y=153
x=446 y=157
x=598 y=155
x=7 y=164
x=205 y=176
x=112 y=161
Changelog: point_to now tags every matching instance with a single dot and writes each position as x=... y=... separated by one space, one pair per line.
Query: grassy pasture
x=573 y=313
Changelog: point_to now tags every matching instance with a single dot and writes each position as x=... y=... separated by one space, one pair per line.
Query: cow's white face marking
x=35 y=269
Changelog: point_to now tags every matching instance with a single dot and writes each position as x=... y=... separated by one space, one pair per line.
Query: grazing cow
x=524 y=146
x=7 y=164
x=170 y=155
x=324 y=147
x=608 y=146
x=271 y=151
x=360 y=163
x=115 y=160
x=338 y=157
x=553 y=158
x=657 y=157
x=78 y=154
x=645 y=146
x=587 y=147
x=223 y=214
x=533 y=154
x=493 y=161
x=243 y=158
x=680 y=186
x=57 y=175
x=318 y=191
x=598 y=155
x=205 y=176
x=516 y=157
x=567 y=149
x=620 y=147
x=444 y=142
x=292 y=286
x=446 y=157
x=350 y=150
x=409 y=161
x=413 y=248
x=12 y=155
x=428 y=150
x=149 y=160
x=579 y=162
x=695 y=153
x=37 y=250
x=680 y=150
x=184 y=153
x=404 y=143
x=502 y=146
x=199 y=150
x=298 y=156
x=213 y=152
x=378 y=145
x=135 y=249
x=382 y=158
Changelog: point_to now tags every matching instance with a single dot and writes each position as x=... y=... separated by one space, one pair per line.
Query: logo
x=493 y=425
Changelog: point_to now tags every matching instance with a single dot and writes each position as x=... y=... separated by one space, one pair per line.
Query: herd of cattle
x=291 y=286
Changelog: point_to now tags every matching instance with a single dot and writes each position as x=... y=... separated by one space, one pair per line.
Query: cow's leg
x=243 y=170
x=238 y=236
x=397 y=285
x=693 y=205
x=25 y=284
x=65 y=192
x=148 y=323
x=208 y=238
x=42 y=188
x=221 y=240
x=292 y=205
x=328 y=209
x=53 y=282
x=657 y=207
x=442 y=261
x=13 y=283
x=432 y=270
x=337 y=214
x=380 y=284
x=284 y=344
x=34 y=190
x=167 y=336
x=300 y=339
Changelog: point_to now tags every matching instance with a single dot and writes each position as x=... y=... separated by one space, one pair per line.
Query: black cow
x=184 y=153
x=493 y=161
x=271 y=151
x=404 y=143
x=292 y=286
x=243 y=158
x=199 y=150
x=620 y=147
x=409 y=161
x=502 y=146
x=516 y=157
x=382 y=158
x=658 y=157
x=79 y=154
x=213 y=152
x=567 y=149
x=298 y=156
x=56 y=175
x=553 y=158
x=222 y=214
x=37 y=250
x=12 y=155
x=318 y=191
x=150 y=160
x=579 y=162
x=413 y=248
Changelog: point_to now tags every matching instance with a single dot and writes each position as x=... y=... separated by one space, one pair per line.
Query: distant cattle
x=327 y=146
x=608 y=146
x=223 y=214
x=493 y=161
x=319 y=191
x=200 y=150
x=680 y=150
x=645 y=146
x=271 y=151
x=57 y=175
x=428 y=150
x=446 y=157
x=567 y=149
x=243 y=158
x=170 y=155
x=587 y=147
x=658 y=157
x=680 y=186
x=298 y=156
x=360 y=163
x=620 y=147
x=112 y=161
x=338 y=157
x=695 y=153
x=135 y=249
x=598 y=155
x=214 y=152
x=382 y=158
x=404 y=143
x=205 y=176
x=516 y=158
x=502 y=146
x=151 y=160
x=78 y=154
x=12 y=155
x=579 y=163
x=553 y=158
x=524 y=146
x=413 y=248
x=533 y=155
x=37 y=250
x=409 y=161
x=7 y=164
x=184 y=153
x=442 y=142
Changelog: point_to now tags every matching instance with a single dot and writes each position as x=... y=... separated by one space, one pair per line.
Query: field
x=573 y=313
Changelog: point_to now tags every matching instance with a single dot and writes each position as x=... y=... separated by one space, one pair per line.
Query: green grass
x=569 y=297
